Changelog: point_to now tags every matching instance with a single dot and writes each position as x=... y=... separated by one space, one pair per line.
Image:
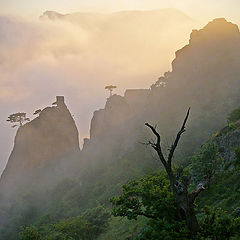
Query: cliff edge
x=43 y=149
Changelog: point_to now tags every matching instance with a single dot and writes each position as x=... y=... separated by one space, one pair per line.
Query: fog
x=77 y=55
x=48 y=183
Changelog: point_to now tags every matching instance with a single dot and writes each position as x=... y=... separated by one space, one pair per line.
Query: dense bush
x=87 y=226
x=151 y=197
x=218 y=224
x=205 y=162
x=234 y=115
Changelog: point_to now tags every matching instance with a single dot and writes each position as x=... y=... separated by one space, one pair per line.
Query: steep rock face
x=42 y=149
x=212 y=56
x=205 y=76
x=116 y=111
x=114 y=130
x=228 y=140
x=119 y=115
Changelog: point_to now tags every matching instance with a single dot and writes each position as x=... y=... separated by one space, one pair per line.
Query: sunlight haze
x=202 y=10
x=63 y=53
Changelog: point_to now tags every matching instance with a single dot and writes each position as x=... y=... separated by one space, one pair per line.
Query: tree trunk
x=187 y=213
x=185 y=203
x=184 y=199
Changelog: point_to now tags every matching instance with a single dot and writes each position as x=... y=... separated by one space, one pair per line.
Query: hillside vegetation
x=116 y=187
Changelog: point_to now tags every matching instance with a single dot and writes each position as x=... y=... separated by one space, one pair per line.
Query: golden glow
x=77 y=58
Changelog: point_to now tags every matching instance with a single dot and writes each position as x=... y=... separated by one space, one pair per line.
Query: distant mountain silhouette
x=166 y=15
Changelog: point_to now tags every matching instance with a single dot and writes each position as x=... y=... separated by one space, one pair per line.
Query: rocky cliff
x=204 y=76
x=44 y=149
x=228 y=140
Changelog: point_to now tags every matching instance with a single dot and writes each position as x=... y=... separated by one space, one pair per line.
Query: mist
x=134 y=158
x=77 y=55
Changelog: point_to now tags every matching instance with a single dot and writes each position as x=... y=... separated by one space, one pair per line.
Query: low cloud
x=77 y=55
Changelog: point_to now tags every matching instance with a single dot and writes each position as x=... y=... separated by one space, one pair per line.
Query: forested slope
x=204 y=76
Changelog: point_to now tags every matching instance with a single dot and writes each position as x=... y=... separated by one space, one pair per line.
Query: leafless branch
x=157 y=146
x=173 y=147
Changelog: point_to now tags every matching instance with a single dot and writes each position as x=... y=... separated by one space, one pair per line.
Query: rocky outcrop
x=119 y=115
x=227 y=140
x=204 y=76
x=43 y=150
x=104 y=121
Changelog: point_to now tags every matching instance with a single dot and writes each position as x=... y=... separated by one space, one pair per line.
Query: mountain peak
x=217 y=29
x=42 y=148
x=52 y=15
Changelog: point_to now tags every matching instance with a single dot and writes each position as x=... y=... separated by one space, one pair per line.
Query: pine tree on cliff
x=17 y=118
x=110 y=89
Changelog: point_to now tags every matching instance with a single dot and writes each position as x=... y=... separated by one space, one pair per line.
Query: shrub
x=234 y=115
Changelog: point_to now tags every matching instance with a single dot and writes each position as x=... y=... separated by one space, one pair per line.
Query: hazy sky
x=201 y=9
x=62 y=56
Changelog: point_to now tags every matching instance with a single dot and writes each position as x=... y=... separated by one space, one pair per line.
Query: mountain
x=161 y=16
x=44 y=151
x=205 y=76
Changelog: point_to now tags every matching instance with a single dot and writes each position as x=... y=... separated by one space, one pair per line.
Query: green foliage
x=234 y=115
x=232 y=126
x=237 y=155
x=98 y=219
x=205 y=162
x=69 y=211
x=29 y=233
x=151 y=197
x=218 y=224
x=73 y=228
x=121 y=228
x=163 y=230
x=89 y=225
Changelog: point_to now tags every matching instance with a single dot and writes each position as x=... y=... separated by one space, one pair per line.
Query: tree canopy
x=19 y=118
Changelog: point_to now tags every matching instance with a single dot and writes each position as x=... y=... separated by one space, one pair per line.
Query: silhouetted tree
x=110 y=89
x=17 y=118
x=159 y=83
x=37 y=112
x=179 y=183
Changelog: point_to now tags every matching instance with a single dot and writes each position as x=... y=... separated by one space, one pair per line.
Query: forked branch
x=157 y=145
x=182 y=130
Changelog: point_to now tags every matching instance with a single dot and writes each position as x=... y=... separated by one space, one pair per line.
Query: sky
x=200 y=9
x=42 y=59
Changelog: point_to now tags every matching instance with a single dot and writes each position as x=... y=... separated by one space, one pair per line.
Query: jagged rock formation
x=43 y=151
x=227 y=140
x=204 y=76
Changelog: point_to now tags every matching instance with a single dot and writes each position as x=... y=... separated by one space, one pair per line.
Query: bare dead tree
x=179 y=184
